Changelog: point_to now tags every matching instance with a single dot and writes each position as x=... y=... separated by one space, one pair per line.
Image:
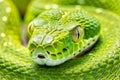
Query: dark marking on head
x=59 y=53
x=64 y=49
x=53 y=55
x=88 y=43
x=48 y=52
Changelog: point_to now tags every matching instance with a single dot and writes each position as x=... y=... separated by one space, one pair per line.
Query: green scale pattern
x=100 y=63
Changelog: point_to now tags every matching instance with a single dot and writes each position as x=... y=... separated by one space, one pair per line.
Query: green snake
x=58 y=31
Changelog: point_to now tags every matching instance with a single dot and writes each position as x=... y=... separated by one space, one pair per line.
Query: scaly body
x=101 y=62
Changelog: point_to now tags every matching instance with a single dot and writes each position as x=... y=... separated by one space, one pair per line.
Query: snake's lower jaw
x=39 y=61
x=48 y=61
x=45 y=62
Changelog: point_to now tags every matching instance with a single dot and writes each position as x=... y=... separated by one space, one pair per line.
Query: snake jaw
x=39 y=61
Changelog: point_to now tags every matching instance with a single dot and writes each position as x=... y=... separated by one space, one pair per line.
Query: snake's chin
x=48 y=62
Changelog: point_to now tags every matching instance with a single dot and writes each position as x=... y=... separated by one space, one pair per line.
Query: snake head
x=53 y=42
x=52 y=46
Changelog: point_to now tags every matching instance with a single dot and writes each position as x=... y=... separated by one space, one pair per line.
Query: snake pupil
x=78 y=33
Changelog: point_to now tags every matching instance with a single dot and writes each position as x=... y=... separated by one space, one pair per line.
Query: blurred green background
x=21 y=5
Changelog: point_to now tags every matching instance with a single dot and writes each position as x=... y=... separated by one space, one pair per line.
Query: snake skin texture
x=102 y=62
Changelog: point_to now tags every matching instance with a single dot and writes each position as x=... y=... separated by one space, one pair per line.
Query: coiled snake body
x=60 y=30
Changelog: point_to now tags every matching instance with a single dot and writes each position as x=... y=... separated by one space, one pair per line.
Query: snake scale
x=101 y=62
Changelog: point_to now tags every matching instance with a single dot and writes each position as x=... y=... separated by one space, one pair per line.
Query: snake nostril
x=41 y=56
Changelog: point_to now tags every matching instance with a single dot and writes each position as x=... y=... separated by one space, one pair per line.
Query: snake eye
x=77 y=34
x=31 y=27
